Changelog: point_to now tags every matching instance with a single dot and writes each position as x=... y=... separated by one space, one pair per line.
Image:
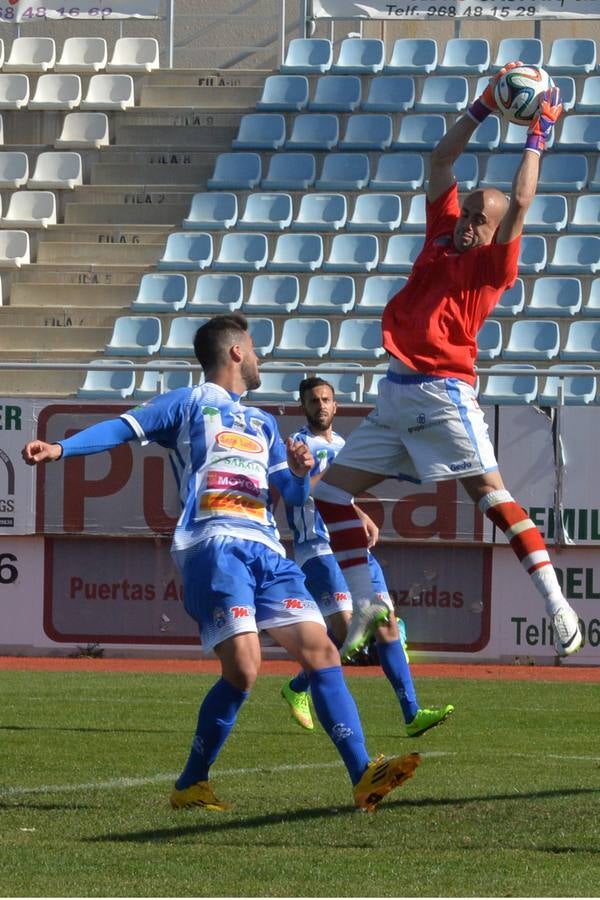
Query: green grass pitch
x=506 y=801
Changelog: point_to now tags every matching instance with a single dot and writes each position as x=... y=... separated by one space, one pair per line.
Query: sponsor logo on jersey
x=341 y=596
x=234 y=505
x=240 y=612
x=237 y=462
x=234 y=480
x=210 y=411
x=460 y=467
x=293 y=603
x=231 y=440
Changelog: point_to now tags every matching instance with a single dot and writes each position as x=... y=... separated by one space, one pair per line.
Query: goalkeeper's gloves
x=540 y=130
x=486 y=102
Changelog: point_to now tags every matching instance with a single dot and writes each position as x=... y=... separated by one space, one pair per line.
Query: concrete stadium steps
x=61 y=299
x=61 y=315
x=41 y=382
x=175 y=96
x=126 y=214
x=85 y=254
x=40 y=343
x=83 y=276
x=148 y=174
x=209 y=78
x=107 y=234
x=218 y=137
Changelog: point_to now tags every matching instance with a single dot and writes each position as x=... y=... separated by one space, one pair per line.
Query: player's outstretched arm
x=40 y=452
x=95 y=439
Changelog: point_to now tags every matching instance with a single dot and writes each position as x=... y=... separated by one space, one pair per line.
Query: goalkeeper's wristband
x=478 y=111
x=536 y=143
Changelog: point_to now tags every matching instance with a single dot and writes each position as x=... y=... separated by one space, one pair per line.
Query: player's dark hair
x=307 y=384
x=213 y=340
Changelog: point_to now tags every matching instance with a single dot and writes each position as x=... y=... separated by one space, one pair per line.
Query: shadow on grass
x=85 y=729
x=223 y=822
x=42 y=807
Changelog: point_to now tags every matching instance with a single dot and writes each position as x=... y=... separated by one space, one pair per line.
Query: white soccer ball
x=517 y=93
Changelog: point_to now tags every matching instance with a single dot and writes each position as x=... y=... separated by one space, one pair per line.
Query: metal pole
x=170 y=31
x=282 y=31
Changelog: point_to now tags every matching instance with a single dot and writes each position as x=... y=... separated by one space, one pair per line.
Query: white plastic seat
x=290 y=172
x=154 y=381
x=182 y=331
x=376 y=212
x=390 y=94
x=466 y=171
x=348 y=386
x=262 y=332
x=415 y=218
x=563 y=172
x=83 y=54
x=260 y=131
x=56 y=92
x=398 y=172
x=297 y=252
x=1 y=53
x=555 y=297
x=352 y=253
x=328 y=295
x=586 y=215
x=580 y=132
x=14 y=90
x=279 y=386
x=306 y=339
x=515 y=137
x=577 y=390
x=235 y=171
x=532 y=340
x=589 y=102
x=443 y=94
x=568 y=93
x=547 y=214
x=360 y=56
x=576 y=254
x=529 y=50
x=30 y=209
x=512 y=300
x=533 y=254
x=466 y=56
x=101 y=383
x=413 y=56
x=217 y=292
x=213 y=211
x=359 y=339
x=500 y=170
x=107 y=91
x=321 y=212
x=242 y=252
x=509 y=389
x=367 y=131
x=135 y=336
x=401 y=252
x=308 y=56
x=273 y=294
x=56 y=170
x=489 y=340
x=31 y=54
x=14 y=249
x=284 y=93
x=377 y=291
x=486 y=136
x=571 y=56
x=344 y=172
x=134 y=54
x=592 y=304
x=313 y=131
x=14 y=168
x=187 y=250
x=583 y=341
x=84 y=129
x=420 y=131
x=336 y=93
x=161 y=293
x=266 y=212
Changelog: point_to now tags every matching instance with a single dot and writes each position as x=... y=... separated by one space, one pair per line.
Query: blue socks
x=300 y=683
x=395 y=666
x=337 y=713
x=216 y=718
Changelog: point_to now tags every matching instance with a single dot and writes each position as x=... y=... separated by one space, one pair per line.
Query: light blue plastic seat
x=577 y=390
x=571 y=56
x=135 y=336
x=390 y=94
x=278 y=386
x=153 y=381
x=290 y=172
x=284 y=93
x=187 y=250
x=512 y=300
x=583 y=341
x=352 y=253
x=304 y=339
x=466 y=56
x=420 y=131
x=348 y=386
x=398 y=172
x=376 y=212
x=372 y=386
x=262 y=332
x=344 y=172
x=533 y=255
x=413 y=56
x=592 y=304
x=101 y=383
x=217 y=292
x=443 y=94
x=555 y=297
x=367 y=131
x=515 y=137
x=297 y=252
x=273 y=294
x=266 y=212
x=576 y=254
x=466 y=171
x=213 y=211
x=499 y=170
x=489 y=340
x=563 y=172
x=235 y=171
x=586 y=215
x=589 y=102
x=360 y=56
x=180 y=341
x=580 y=132
x=242 y=252
x=509 y=390
x=314 y=131
x=547 y=214
x=401 y=252
x=532 y=339
x=529 y=50
x=329 y=295
x=486 y=136
x=160 y=293
x=308 y=56
x=321 y=212
x=359 y=339
x=415 y=217
x=260 y=131
x=568 y=94
x=336 y=93
x=377 y=291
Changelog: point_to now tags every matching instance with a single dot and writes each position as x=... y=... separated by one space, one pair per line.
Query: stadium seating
x=390 y=94
x=401 y=252
x=102 y=383
x=235 y=171
x=547 y=214
x=186 y=251
x=266 y=212
x=359 y=339
x=135 y=336
x=398 y=172
x=344 y=172
x=161 y=293
x=415 y=217
x=367 y=131
x=352 y=253
x=515 y=137
x=571 y=56
x=413 y=56
x=555 y=297
x=14 y=90
x=321 y=212
x=372 y=385
x=14 y=168
x=107 y=91
x=308 y=56
x=534 y=253
x=14 y=249
x=529 y=50
x=575 y=254
x=577 y=390
x=348 y=386
x=328 y=295
x=489 y=340
x=509 y=389
x=284 y=93
x=500 y=170
x=214 y=211
x=589 y=101
x=360 y=56
x=153 y=381
x=563 y=172
x=313 y=131
x=466 y=56
x=217 y=292
x=260 y=131
x=443 y=94
x=289 y=172
x=532 y=340
x=56 y=92
x=466 y=172
x=273 y=294
x=31 y=54
x=56 y=170
x=304 y=338
x=583 y=341
x=83 y=54
x=30 y=209
x=580 y=132
x=262 y=332
x=376 y=212
x=586 y=215
x=83 y=129
x=512 y=301
x=279 y=386
x=297 y=252
x=242 y=252
x=420 y=131
x=486 y=136
x=134 y=54
x=336 y=93
x=180 y=341
x=377 y=291
x=592 y=305
x=566 y=86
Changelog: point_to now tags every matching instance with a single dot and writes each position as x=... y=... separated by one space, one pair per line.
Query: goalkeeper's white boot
x=568 y=637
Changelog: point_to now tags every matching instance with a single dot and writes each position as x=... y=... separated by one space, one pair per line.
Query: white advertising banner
x=16 y=479
x=507 y=10
x=21 y=586
x=12 y=11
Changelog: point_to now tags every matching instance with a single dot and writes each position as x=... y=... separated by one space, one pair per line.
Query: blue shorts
x=233 y=586
x=327 y=585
